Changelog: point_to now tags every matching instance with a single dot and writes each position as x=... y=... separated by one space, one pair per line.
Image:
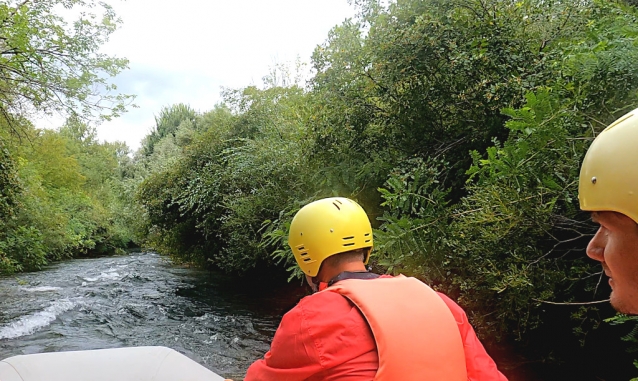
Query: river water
x=141 y=299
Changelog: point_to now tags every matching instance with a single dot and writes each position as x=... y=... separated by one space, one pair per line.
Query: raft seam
x=160 y=364
x=14 y=368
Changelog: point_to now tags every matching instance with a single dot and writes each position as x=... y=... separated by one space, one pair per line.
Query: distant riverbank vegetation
x=68 y=198
x=60 y=191
x=458 y=125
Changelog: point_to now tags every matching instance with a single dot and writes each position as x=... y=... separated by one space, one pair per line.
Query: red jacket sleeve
x=291 y=356
x=480 y=366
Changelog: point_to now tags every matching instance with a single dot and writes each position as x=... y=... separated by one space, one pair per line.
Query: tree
x=9 y=185
x=208 y=202
x=49 y=66
x=167 y=123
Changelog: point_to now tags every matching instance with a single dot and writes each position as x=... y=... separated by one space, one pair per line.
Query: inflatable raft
x=119 y=364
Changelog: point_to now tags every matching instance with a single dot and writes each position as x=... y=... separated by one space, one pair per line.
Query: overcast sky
x=186 y=50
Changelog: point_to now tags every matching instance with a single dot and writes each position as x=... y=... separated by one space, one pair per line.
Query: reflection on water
x=141 y=299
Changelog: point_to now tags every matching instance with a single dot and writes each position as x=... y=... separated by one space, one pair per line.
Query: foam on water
x=29 y=324
x=103 y=276
x=40 y=289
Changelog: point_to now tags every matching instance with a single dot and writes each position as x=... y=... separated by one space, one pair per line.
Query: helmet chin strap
x=320 y=286
x=316 y=285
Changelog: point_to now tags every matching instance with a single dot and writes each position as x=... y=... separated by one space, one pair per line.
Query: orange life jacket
x=416 y=334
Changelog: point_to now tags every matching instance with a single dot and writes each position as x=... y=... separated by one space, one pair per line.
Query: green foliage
x=416 y=204
x=178 y=117
x=71 y=199
x=428 y=79
x=23 y=250
x=58 y=189
x=631 y=337
x=515 y=238
x=9 y=184
x=239 y=171
x=47 y=65
x=275 y=237
x=517 y=221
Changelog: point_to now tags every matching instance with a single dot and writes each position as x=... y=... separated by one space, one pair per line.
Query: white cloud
x=185 y=51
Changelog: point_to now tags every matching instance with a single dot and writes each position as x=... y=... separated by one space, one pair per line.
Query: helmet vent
x=367 y=234
x=307 y=259
x=349 y=244
x=351 y=237
x=337 y=206
x=300 y=248
x=367 y=240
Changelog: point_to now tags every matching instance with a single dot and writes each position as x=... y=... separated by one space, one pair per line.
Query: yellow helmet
x=609 y=175
x=327 y=227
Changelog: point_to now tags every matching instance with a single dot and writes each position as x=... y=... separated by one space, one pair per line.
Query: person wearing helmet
x=608 y=187
x=362 y=326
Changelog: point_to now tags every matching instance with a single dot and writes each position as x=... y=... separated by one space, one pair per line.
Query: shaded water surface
x=141 y=299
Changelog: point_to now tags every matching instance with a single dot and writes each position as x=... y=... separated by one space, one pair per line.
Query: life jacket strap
x=353 y=275
x=347 y=275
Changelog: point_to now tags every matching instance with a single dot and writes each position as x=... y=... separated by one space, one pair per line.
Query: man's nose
x=596 y=247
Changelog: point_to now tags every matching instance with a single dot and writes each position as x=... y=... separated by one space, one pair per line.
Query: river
x=221 y=322
x=141 y=299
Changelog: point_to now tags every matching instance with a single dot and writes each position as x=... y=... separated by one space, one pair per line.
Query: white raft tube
x=118 y=364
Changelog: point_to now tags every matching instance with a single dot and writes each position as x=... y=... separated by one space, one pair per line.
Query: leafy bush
x=22 y=250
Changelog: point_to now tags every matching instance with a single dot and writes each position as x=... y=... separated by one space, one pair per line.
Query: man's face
x=615 y=246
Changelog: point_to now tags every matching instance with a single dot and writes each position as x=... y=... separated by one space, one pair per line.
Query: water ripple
x=29 y=324
x=140 y=299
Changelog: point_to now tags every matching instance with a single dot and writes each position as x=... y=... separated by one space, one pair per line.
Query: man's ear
x=312 y=282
